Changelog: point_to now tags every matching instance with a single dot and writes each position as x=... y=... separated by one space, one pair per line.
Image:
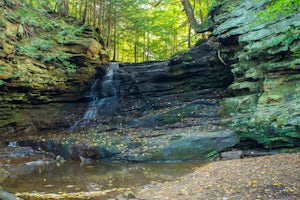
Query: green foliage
x=279 y=7
x=40 y=48
x=2 y=23
x=2 y=82
x=70 y=32
x=35 y=47
x=212 y=154
x=270 y=137
x=144 y=30
x=49 y=33
x=290 y=150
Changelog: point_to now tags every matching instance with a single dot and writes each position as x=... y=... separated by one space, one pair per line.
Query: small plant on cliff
x=35 y=47
x=279 y=7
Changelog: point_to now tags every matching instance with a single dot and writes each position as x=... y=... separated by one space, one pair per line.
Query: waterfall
x=92 y=108
x=108 y=94
x=13 y=144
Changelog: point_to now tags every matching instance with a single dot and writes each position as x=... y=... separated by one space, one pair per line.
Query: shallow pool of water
x=77 y=177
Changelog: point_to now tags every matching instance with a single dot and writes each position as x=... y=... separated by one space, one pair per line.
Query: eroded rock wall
x=264 y=58
x=42 y=72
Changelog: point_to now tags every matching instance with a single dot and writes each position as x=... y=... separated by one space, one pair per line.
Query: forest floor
x=275 y=177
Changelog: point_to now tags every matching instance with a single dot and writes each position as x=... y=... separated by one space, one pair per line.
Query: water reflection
x=74 y=177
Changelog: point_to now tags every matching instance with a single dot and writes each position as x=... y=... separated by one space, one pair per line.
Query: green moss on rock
x=265 y=63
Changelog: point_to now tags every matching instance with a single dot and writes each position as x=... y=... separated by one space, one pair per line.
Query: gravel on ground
x=275 y=177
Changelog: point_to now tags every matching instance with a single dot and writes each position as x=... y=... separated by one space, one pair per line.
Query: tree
x=85 y=11
x=132 y=30
x=197 y=27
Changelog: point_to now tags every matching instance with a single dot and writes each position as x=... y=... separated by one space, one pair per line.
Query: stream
x=77 y=177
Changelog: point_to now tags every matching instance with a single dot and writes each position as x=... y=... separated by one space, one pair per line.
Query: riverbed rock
x=189 y=146
x=7 y=196
x=85 y=151
x=231 y=155
x=10 y=152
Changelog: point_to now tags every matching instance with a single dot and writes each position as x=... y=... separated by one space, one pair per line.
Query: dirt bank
x=275 y=177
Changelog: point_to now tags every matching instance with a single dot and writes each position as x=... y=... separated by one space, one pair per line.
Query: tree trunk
x=202 y=19
x=198 y=28
x=148 y=45
x=74 y=9
x=67 y=7
x=80 y=9
x=189 y=36
x=94 y=14
x=100 y=16
x=89 y=14
x=85 y=11
x=108 y=26
x=115 y=34
x=135 y=52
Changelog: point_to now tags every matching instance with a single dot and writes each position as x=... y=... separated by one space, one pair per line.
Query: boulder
x=191 y=146
x=85 y=151
x=231 y=155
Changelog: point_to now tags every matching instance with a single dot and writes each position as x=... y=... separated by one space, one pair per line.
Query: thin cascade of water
x=92 y=108
x=108 y=93
x=13 y=144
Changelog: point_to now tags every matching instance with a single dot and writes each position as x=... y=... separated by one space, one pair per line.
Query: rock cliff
x=264 y=58
x=154 y=111
x=243 y=80
x=45 y=64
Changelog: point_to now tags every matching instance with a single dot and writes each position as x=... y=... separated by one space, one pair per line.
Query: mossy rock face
x=38 y=69
x=265 y=61
x=268 y=135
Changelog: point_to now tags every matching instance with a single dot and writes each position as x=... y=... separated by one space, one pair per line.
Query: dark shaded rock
x=86 y=150
x=10 y=152
x=255 y=153
x=153 y=86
